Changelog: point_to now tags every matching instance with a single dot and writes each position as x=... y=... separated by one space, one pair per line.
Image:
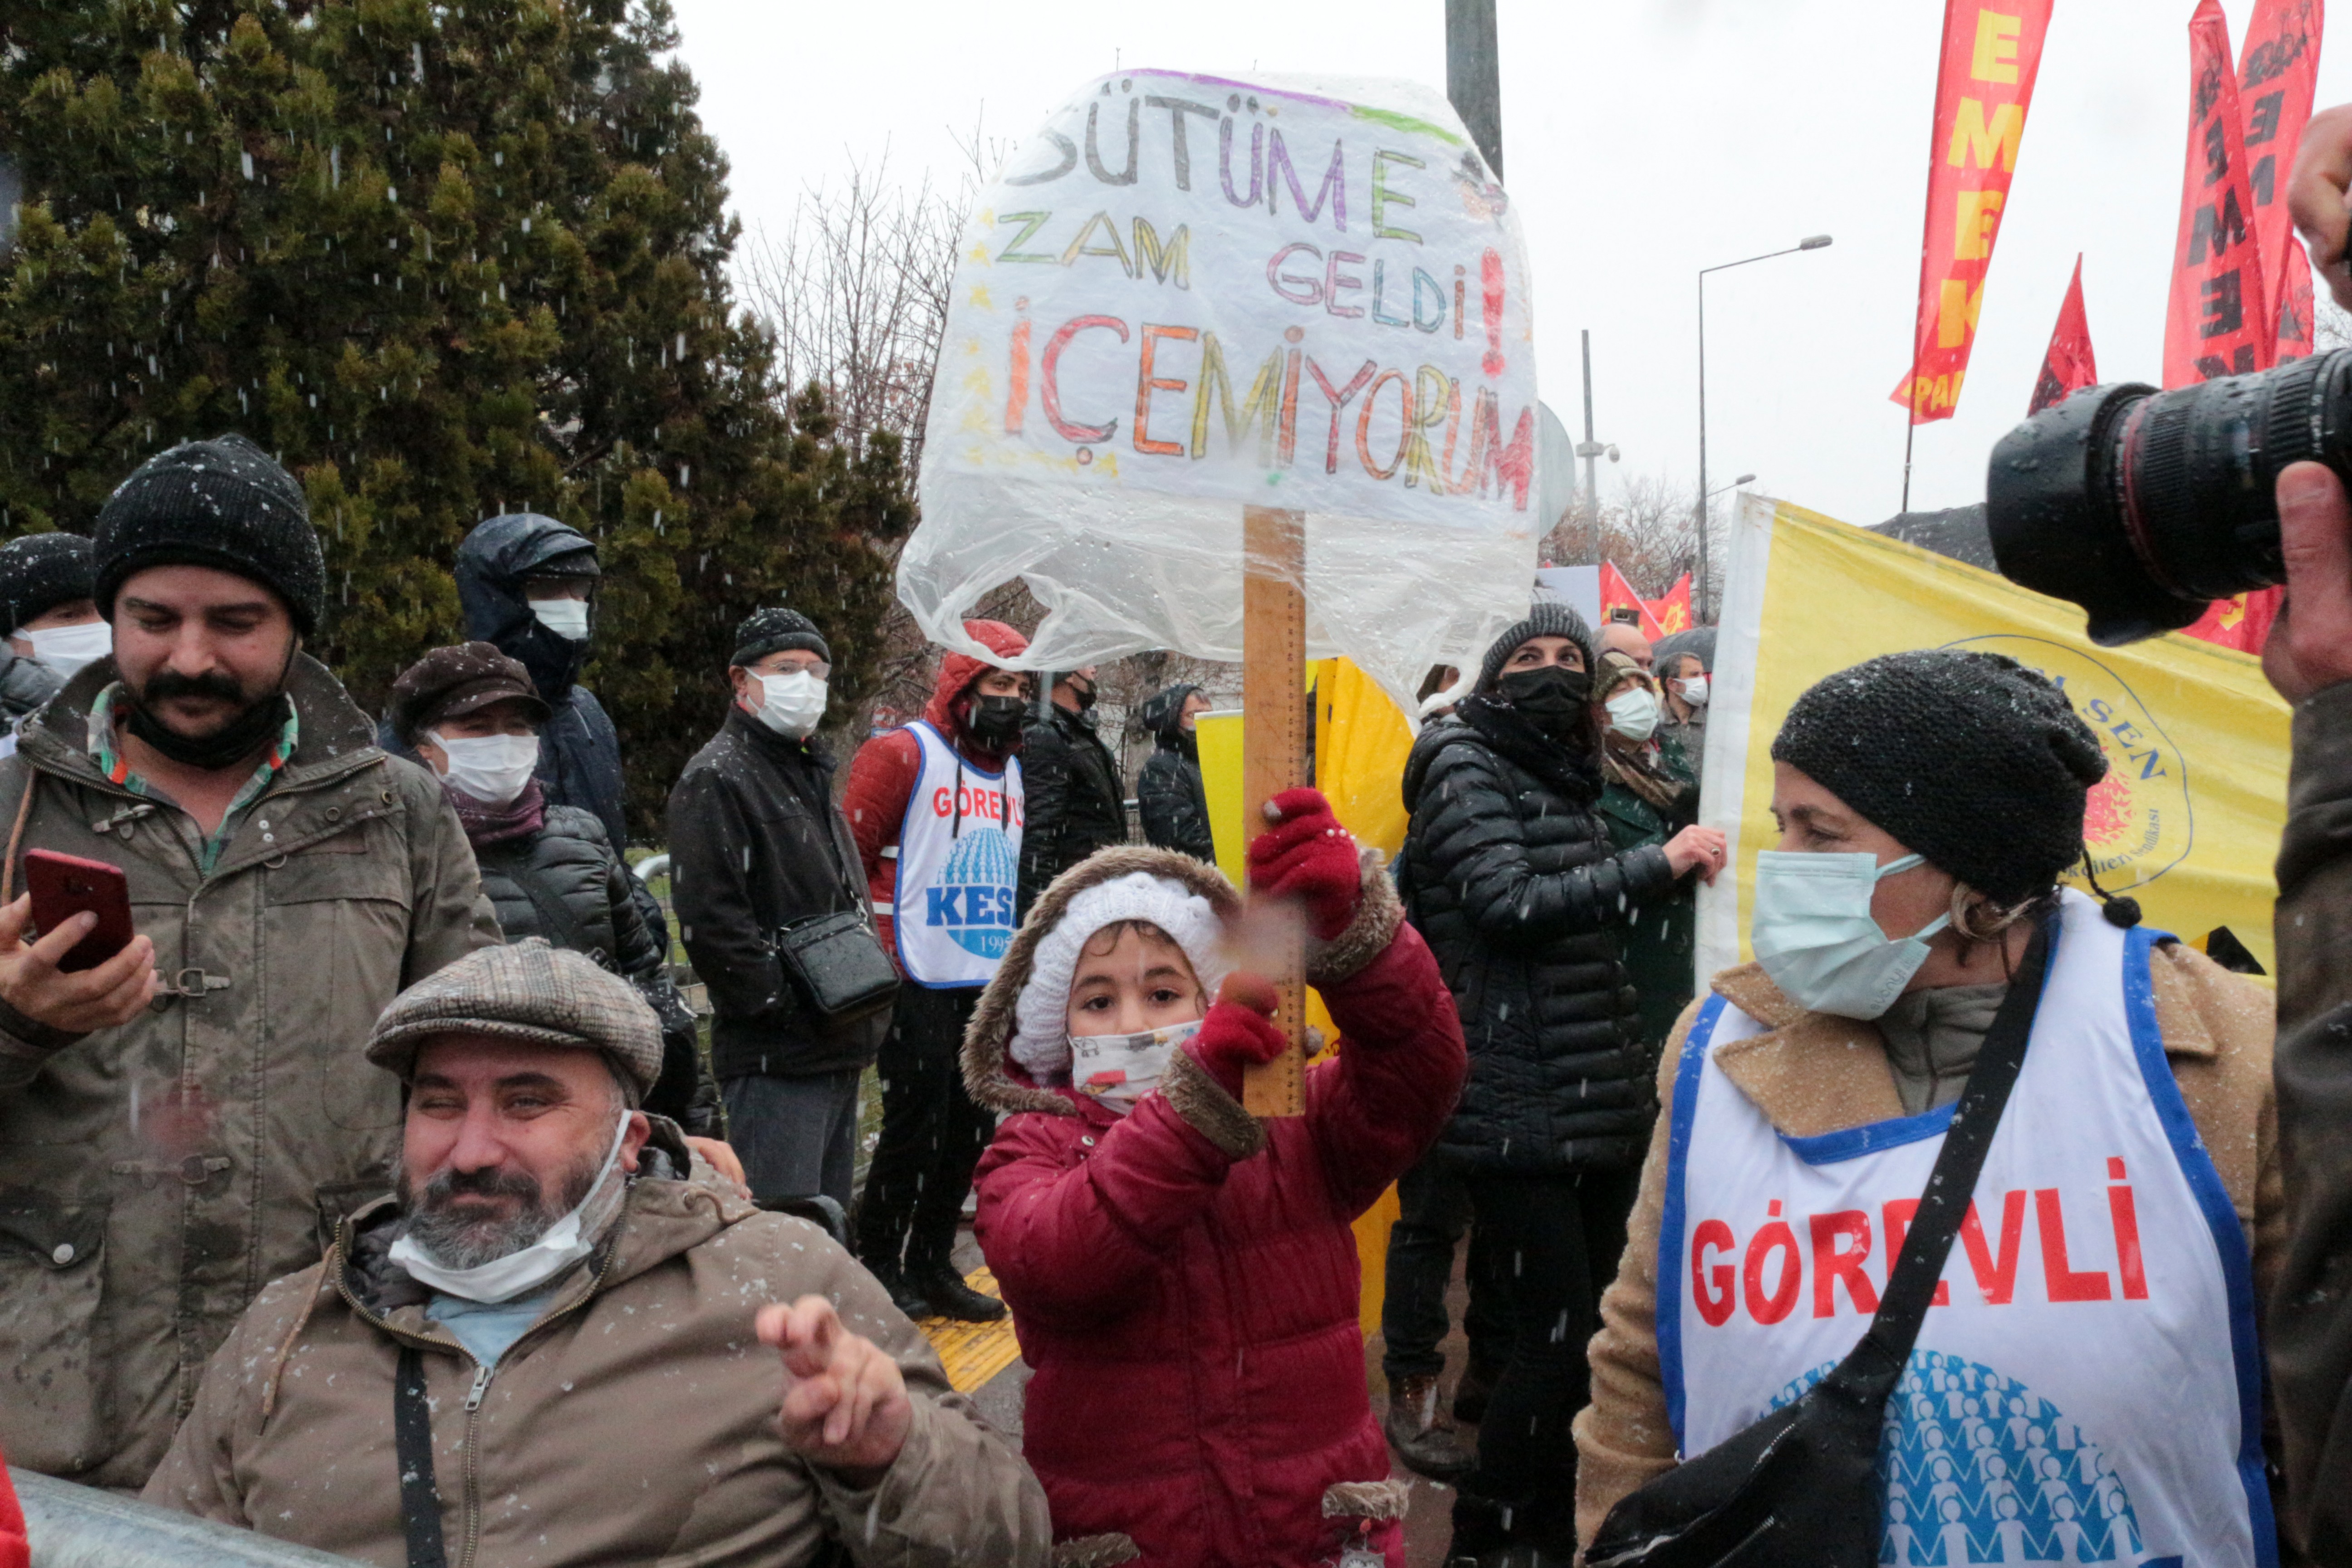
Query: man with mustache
x=192 y=1118
x=564 y=1345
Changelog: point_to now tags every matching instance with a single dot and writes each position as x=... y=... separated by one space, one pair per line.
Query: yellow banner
x=2188 y=818
x=1361 y=740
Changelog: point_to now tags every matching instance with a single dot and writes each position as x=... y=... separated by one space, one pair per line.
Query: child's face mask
x=1119 y=1069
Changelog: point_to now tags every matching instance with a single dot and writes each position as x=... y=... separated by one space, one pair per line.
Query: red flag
x=2242 y=623
x=1673 y=613
x=2276 y=73
x=2217 y=324
x=1984 y=84
x=2294 y=317
x=2068 y=366
x=1616 y=593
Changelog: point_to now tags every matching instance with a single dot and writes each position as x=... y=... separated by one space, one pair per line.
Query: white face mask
x=1694 y=690
x=493 y=769
x=793 y=702
x=520 y=1272
x=1815 y=936
x=1634 y=713
x=1120 y=1069
x=564 y=617
x=67 y=648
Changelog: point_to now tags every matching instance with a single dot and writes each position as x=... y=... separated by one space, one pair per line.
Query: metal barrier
x=73 y=1526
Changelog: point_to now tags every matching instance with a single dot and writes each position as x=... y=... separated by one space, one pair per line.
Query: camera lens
x=2144 y=506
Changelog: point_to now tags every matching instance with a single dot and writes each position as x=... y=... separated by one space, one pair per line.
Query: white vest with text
x=2086 y=1388
x=959 y=867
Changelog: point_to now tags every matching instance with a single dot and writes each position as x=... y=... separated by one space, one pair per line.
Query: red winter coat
x=882 y=775
x=1183 y=1279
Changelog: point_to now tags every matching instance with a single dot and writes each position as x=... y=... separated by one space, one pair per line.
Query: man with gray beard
x=555 y=1269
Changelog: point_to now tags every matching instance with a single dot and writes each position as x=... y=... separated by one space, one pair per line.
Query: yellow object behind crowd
x=1361 y=743
x=2188 y=818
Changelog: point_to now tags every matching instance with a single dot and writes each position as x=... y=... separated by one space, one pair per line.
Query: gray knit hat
x=222 y=503
x=774 y=630
x=1545 y=618
x=530 y=991
x=1970 y=759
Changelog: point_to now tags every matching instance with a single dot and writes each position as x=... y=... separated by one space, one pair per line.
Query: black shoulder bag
x=1799 y=1488
x=836 y=961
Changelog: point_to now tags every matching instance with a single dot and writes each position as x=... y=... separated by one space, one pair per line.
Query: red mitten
x=1239 y=1031
x=1310 y=857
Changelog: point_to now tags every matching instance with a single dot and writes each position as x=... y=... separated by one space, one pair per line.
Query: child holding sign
x=1182 y=1276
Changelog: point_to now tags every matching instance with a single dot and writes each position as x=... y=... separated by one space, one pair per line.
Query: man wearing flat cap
x=555 y=1345
x=757 y=847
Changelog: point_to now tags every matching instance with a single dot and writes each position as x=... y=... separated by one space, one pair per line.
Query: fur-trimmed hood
x=992 y=1077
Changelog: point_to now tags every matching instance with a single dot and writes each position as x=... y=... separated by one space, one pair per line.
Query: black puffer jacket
x=565 y=883
x=756 y=844
x=1169 y=795
x=1510 y=877
x=1072 y=803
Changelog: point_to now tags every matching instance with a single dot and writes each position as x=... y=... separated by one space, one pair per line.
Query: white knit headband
x=1041 y=1035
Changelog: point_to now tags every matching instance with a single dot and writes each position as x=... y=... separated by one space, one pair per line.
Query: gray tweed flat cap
x=530 y=991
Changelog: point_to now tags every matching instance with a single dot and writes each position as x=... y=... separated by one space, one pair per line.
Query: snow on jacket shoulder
x=1183 y=1279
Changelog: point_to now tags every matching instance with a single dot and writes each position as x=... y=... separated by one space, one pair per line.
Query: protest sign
x=2188 y=818
x=1185 y=295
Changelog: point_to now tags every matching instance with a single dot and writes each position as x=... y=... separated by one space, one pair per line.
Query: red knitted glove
x=1310 y=857
x=1239 y=1031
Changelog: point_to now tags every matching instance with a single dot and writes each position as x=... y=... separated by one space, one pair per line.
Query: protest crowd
x=388 y=1169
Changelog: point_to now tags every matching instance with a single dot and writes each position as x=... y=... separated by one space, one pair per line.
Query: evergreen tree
x=445 y=259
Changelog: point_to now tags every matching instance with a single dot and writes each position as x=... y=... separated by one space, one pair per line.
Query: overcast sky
x=1641 y=140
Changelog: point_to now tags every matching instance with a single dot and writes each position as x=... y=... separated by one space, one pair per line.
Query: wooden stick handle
x=1273 y=759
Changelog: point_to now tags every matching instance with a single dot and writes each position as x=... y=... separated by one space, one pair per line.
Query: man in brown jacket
x=549 y=1349
x=170 y=1142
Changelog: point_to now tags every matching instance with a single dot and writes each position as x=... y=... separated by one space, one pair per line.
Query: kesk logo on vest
x=2137 y=823
x=972 y=900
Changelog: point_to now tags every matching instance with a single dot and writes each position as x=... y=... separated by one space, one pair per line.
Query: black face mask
x=239 y=739
x=995 y=721
x=1555 y=697
x=1085 y=694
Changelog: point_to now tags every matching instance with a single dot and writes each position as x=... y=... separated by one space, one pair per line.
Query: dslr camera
x=2144 y=506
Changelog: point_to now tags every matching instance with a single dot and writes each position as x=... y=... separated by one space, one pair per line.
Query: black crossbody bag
x=1800 y=1488
x=837 y=965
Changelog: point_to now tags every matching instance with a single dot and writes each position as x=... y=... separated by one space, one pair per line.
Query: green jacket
x=153 y=1177
x=1660 y=940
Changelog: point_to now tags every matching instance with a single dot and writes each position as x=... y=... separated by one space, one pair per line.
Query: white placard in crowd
x=1187 y=294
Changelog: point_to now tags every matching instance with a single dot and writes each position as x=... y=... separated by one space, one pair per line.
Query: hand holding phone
x=64 y=886
x=33 y=976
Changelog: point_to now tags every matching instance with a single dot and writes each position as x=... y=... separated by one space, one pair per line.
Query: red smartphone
x=63 y=886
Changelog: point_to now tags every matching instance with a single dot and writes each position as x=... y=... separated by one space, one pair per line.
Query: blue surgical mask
x=1814 y=933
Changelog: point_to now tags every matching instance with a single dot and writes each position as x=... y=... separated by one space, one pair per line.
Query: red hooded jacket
x=882 y=775
x=1183 y=1279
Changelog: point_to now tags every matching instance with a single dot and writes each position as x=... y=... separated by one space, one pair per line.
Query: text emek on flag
x=2277 y=71
x=2068 y=366
x=1984 y=84
x=2217 y=324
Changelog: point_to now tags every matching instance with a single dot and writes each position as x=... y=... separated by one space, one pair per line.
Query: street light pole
x=1814 y=242
x=1591 y=485
x=1473 y=82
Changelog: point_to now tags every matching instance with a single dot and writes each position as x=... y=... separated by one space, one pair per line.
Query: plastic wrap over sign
x=1186 y=295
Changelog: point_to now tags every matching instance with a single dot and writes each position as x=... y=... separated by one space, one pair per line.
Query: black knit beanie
x=221 y=503
x=774 y=630
x=1545 y=618
x=40 y=571
x=1970 y=759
